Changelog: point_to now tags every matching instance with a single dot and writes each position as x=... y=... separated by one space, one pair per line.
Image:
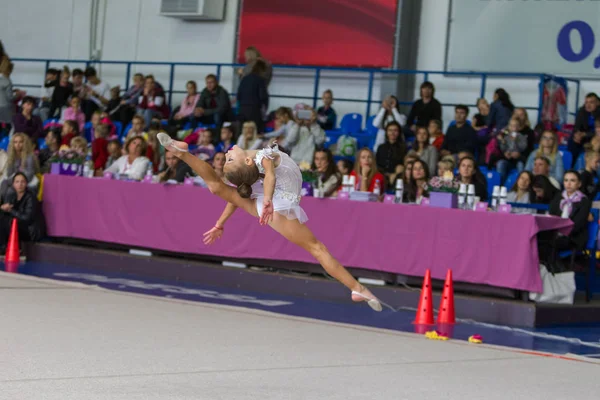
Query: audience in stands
x=249 y=139
x=589 y=175
x=130 y=99
x=406 y=174
x=436 y=136
x=74 y=113
x=214 y=105
x=446 y=164
x=366 y=173
x=7 y=95
x=327 y=118
x=469 y=174
x=548 y=149
x=53 y=140
x=154 y=150
x=588 y=114
x=62 y=93
x=252 y=96
x=114 y=104
x=424 y=150
x=512 y=144
x=541 y=166
x=20 y=203
x=79 y=144
x=544 y=190
x=100 y=149
x=79 y=87
x=252 y=56
x=526 y=130
x=226 y=142
x=303 y=139
x=425 y=109
x=28 y=123
x=175 y=170
x=389 y=112
x=152 y=103
x=500 y=111
x=461 y=136
x=390 y=155
x=70 y=129
x=219 y=164
x=47 y=90
x=97 y=93
x=20 y=159
x=115 y=152
x=522 y=193
x=133 y=165
x=480 y=119
x=417 y=183
x=185 y=112
x=205 y=150
x=330 y=179
x=137 y=127
x=284 y=122
x=344 y=167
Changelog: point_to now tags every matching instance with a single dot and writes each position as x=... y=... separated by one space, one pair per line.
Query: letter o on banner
x=563 y=42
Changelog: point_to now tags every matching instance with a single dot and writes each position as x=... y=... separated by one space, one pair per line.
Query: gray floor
x=69 y=341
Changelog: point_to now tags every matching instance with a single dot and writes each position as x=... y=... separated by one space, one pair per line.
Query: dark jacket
x=389 y=156
x=253 y=92
x=27 y=211
x=579 y=216
x=582 y=120
x=215 y=103
x=460 y=139
x=499 y=115
x=421 y=113
x=31 y=127
x=181 y=171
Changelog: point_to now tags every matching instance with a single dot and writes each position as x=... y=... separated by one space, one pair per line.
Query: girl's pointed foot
x=366 y=295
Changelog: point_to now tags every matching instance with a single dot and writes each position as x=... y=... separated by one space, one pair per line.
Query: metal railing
x=372 y=72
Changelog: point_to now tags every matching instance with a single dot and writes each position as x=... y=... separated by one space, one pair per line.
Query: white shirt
x=135 y=170
x=103 y=89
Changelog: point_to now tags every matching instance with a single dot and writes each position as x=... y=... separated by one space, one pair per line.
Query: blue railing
x=372 y=72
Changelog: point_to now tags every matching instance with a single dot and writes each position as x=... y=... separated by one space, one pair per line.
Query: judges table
x=480 y=247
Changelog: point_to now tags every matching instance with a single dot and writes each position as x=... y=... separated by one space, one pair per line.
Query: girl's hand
x=365 y=171
x=211 y=236
x=267 y=214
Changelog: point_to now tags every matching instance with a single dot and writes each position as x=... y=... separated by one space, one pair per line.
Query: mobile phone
x=305 y=115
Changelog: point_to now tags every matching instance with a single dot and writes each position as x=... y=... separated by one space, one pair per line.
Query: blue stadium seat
x=119 y=127
x=87 y=132
x=351 y=123
x=369 y=128
x=41 y=143
x=331 y=137
x=511 y=179
x=125 y=132
x=493 y=179
x=580 y=163
x=567 y=158
x=4 y=143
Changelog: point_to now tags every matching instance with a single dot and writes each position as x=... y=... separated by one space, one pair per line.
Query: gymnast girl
x=268 y=187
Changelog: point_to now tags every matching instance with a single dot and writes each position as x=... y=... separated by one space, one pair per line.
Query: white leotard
x=288 y=185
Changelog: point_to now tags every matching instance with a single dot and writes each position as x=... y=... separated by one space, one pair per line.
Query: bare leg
x=301 y=235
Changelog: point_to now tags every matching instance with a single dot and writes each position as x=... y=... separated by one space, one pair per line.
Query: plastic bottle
x=399 y=191
x=377 y=187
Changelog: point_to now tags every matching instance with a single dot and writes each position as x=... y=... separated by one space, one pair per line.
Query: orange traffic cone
x=446 y=312
x=425 y=308
x=12 y=249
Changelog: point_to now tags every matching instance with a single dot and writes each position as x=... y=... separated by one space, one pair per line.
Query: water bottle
x=503 y=195
x=495 y=197
x=377 y=188
x=470 y=197
x=149 y=174
x=399 y=191
x=352 y=183
x=462 y=196
x=345 y=183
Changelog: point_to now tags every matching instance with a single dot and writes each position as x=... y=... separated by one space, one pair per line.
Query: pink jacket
x=188 y=105
x=79 y=117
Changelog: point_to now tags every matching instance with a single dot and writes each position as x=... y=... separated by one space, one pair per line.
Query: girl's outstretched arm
x=269 y=188
x=217 y=231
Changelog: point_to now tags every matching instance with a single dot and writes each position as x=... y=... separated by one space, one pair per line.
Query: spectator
x=97 y=93
x=152 y=102
x=425 y=109
x=460 y=136
x=589 y=175
x=214 y=106
x=436 y=136
x=391 y=153
x=70 y=129
x=329 y=179
x=446 y=164
x=541 y=166
x=20 y=159
x=74 y=113
x=406 y=174
x=153 y=150
x=344 y=167
x=219 y=164
x=47 y=90
x=79 y=88
x=62 y=92
x=114 y=152
x=133 y=165
x=53 y=140
x=469 y=174
x=7 y=96
x=284 y=122
x=114 y=104
x=522 y=193
x=480 y=119
x=100 y=149
x=252 y=56
x=500 y=111
x=424 y=150
x=523 y=117
x=249 y=139
x=175 y=170
x=26 y=122
x=185 y=112
x=512 y=144
x=137 y=128
x=588 y=114
x=253 y=97
x=21 y=204
x=544 y=190
x=205 y=150
x=388 y=112
x=365 y=171
x=226 y=138
x=417 y=184
x=303 y=139
x=327 y=117
x=130 y=99
x=80 y=145
x=549 y=149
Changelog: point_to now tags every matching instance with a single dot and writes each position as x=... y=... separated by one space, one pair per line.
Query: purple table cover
x=482 y=248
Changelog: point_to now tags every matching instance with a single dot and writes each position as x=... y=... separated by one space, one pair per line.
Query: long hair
x=540 y=151
x=411 y=188
x=243 y=177
x=388 y=113
x=542 y=182
x=515 y=187
x=426 y=143
x=244 y=141
x=26 y=152
x=477 y=177
x=331 y=167
x=357 y=167
x=504 y=99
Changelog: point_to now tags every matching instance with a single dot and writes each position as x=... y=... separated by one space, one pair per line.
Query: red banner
x=320 y=32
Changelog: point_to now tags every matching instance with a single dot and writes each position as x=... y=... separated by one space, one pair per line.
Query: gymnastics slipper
x=372 y=302
x=168 y=143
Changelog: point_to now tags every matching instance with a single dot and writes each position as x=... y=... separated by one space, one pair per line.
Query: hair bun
x=244 y=190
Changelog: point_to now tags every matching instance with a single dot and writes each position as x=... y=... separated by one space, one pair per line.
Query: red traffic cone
x=12 y=249
x=425 y=308
x=446 y=312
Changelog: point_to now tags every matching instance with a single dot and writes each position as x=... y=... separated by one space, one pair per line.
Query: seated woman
x=549 y=149
x=152 y=102
x=329 y=179
x=20 y=203
x=175 y=170
x=389 y=112
x=469 y=174
x=249 y=139
x=366 y=173
x=391 y=153
x=424 y=150
x=20 y=159
x=416 y=188
x=187 y=107
x=522 y=192
x=218 y=164
x=28 y=123
x=544 y=190
x=133 y=165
